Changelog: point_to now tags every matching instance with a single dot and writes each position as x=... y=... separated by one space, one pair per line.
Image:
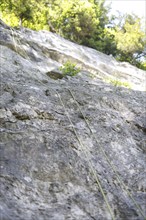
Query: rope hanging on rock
x=122 y=184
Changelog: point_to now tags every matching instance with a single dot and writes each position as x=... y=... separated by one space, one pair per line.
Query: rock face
x=71 y=148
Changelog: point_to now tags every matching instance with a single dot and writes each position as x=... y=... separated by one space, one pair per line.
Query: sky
x=137 y=7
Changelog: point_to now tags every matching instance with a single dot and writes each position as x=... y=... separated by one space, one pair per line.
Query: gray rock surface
x=61 y=138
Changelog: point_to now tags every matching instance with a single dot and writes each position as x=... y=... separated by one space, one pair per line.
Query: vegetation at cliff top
x=85 y=22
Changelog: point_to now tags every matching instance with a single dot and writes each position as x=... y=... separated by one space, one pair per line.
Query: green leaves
x=69 y=69
x=18 y=11
x=118 y=83
x=130 y=39
x=85 y=22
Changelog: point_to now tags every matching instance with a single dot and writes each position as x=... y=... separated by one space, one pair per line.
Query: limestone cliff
x=71 y=148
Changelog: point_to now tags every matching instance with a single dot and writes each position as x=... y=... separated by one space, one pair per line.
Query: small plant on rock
x=117 y=83
x=69 y=69
x=120 y=83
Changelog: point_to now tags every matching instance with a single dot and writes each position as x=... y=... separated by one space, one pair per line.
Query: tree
x=130 y=39
x=81 y=21
x=21 y=9
x=85 y=22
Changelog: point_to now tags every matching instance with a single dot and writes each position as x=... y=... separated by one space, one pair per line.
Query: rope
x=85 y=151
x=108 y=160
x=86 y=154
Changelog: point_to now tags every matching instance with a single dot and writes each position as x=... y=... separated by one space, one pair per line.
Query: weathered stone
x=55 y=74
x=49 y=142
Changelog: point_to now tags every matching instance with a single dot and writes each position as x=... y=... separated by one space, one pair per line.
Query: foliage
x=85 y=22
x=141 y=64
x=26 y=13
x=80 y=21
x=130 y=39
x=117 y=82
x=69 y=69
x=21 y=10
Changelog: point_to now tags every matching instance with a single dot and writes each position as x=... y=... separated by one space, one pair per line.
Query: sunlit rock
x=61 y=138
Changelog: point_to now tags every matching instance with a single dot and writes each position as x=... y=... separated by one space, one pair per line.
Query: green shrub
x=69 y=69
x=120 y=83
x=117 y=82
